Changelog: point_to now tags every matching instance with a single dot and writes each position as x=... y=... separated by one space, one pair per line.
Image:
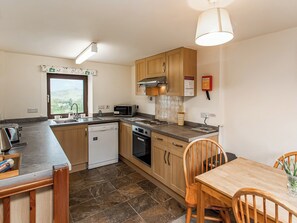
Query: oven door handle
x=165 y=156
x=140 y=139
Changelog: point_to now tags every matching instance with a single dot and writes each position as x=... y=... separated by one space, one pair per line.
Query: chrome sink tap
x=76 y=116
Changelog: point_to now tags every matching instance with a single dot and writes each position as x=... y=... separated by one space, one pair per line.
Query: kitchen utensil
x=5 y=144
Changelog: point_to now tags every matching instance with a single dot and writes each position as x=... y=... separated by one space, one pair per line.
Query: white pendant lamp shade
x=87 y=53
x=214 y=28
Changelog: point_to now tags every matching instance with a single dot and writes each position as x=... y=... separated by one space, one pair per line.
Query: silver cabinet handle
x=168 y=158
x=140 y=139
x=165 y=156
x=164 y=67
x=159 y=139
x=177 y=145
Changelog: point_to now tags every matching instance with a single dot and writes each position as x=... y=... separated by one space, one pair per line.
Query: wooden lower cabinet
x=74 y=141
x=125 y=140
x=167 y=162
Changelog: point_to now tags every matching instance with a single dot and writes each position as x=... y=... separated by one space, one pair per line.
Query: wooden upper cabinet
x=140 y=74
x=181 y=64
x=156 y=65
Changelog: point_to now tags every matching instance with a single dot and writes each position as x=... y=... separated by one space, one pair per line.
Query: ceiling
x=126 y=30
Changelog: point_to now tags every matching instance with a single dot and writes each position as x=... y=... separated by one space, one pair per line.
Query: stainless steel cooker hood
x=153 y=81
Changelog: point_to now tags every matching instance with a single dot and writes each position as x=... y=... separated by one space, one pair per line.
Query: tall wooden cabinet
x=125 y=140
x=74 y=141
x=140 y=74
x=181 y=64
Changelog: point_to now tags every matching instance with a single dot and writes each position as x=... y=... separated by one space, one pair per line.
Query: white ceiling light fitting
x=87 y=53
x=214 y=27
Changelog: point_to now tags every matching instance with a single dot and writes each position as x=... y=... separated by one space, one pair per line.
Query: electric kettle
x=5 y=144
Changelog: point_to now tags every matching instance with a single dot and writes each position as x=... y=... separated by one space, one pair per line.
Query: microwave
x=124 y=110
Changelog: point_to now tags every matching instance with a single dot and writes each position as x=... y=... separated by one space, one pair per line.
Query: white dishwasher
x=103 y=144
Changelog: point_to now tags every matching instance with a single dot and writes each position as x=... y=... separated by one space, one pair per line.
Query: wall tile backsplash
x=167 y=107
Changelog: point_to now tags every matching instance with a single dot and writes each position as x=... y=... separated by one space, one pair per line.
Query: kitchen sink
x=64 y=120
x=205 y=129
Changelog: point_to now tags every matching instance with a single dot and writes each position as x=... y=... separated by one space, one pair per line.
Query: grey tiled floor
x=116 y=193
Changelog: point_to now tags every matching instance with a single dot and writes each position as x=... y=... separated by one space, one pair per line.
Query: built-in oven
x=141 y=148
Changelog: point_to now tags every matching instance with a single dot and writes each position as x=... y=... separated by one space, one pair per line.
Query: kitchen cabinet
x=178 y=65
x=181 y=64
x=156 y=66
x=140 y=74
x=167 y=161
x=125 y=140
x=74 y=141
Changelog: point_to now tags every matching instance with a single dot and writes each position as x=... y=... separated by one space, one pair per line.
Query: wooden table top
x=239 y=173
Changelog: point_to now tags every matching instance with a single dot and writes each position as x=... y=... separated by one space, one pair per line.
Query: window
x=64 y=90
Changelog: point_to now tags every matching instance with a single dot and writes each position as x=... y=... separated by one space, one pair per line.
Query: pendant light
x=214 y=27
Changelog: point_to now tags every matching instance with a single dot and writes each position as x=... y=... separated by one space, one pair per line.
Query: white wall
x=208 y=63
x=260 y=93
x=23 y=85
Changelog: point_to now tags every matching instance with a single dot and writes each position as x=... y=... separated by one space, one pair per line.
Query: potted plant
x=291 y=171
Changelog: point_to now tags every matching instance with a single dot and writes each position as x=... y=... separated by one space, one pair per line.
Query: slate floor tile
x=111 y=199
x=136 y=177
x=142 y=203
x=96 y=218
x=80 y=196
x=101 y=189
x=147 y=186
x=135 y=219
x=174 y=207
x=159 y=195
x=84 y=210
x=156 y=214
x=131 y=191
x=120 y=213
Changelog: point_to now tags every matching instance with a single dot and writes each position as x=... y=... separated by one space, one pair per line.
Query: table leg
x=200 y=204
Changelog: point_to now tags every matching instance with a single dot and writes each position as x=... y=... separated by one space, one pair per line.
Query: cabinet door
x=160 y=166
x=140 y=73
x=177 y=177
x=174 y=72
x=74 y=141
x=156 y=66
x=125 y=140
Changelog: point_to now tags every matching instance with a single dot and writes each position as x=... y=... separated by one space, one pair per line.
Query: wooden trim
x=6 y=210
x=7 y=192
x=61 y=194
x=33 y=206
x=72 y=77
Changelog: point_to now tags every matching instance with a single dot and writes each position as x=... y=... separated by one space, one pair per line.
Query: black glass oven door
x=142 y=148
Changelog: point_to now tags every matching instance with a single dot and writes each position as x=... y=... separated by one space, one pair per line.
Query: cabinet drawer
x=176 y=146
x=158 y=139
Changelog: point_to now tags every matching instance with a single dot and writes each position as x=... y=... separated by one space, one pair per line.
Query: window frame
x=69 y=77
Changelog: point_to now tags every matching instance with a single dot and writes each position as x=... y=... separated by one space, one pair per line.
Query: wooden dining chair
x=250 y=203
x=200 y=156
x=289 y=157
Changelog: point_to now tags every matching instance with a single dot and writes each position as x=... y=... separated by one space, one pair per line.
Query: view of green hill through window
x=64 y=93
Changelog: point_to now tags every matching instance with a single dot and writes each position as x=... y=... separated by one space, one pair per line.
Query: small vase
x=292 y=185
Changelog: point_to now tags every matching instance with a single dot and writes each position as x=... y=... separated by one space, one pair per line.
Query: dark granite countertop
x=43 y=151
x=184 y=133
x=38 y=157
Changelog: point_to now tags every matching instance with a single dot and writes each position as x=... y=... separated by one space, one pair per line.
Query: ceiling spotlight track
x=87 y=53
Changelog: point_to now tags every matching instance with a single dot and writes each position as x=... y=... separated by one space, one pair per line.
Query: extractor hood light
x=87 y=53
x=214 y=28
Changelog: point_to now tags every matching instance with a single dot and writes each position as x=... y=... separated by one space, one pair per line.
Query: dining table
x=224 y=181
